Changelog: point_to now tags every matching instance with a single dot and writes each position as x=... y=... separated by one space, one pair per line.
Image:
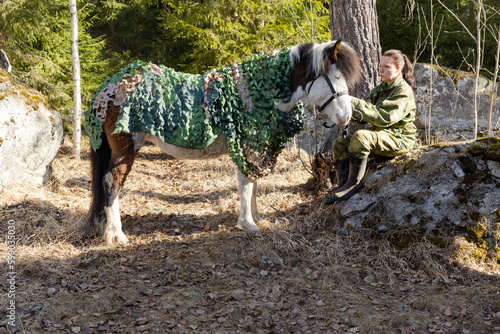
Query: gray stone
x=452 y=115
x=30 y=134
x=437 y=188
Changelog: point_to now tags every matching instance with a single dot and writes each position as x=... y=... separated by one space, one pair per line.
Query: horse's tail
x=100 y=159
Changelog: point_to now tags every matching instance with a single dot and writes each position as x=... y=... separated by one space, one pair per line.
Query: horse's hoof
x=116 y=239
x=248 y=227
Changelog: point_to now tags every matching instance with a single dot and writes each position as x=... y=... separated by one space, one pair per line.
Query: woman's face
x=388 y=71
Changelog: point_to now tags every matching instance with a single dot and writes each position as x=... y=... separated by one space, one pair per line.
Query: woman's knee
x=362 y=142
x=340 y=148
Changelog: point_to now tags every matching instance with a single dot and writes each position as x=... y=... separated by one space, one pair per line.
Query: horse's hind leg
x=124 y=148
x=248 y=210
x=255 y=212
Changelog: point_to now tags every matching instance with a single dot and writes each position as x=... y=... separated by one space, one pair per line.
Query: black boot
x=357 y=170
x=342 y=171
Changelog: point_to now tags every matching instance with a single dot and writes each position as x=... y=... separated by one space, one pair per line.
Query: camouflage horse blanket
x=192 y=110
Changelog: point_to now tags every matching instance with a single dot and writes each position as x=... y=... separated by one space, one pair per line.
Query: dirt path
x=189 y=270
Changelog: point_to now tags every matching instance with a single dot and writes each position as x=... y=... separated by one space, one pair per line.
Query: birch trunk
x=493 y=96
x=478 y=64
x=431 y=77
x=77 y=103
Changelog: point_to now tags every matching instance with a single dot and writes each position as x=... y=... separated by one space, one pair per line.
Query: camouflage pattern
x=390 y=112
x=179 y=108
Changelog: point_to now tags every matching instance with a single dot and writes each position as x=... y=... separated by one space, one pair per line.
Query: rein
x=335 y=94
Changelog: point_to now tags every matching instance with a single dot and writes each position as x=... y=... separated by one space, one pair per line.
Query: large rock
x=30 y=134
x=452 y=102
x=441 y=190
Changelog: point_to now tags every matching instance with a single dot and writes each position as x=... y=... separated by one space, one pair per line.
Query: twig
x=458 y=20
x=303 y=164
x=11 y=210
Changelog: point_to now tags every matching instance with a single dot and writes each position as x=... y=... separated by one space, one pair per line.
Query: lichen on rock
x=437 y=192
x=30 y=134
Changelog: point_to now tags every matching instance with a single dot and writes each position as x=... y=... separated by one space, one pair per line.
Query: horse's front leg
x=248 y=210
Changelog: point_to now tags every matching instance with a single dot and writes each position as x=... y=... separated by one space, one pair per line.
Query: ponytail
x=400 y=59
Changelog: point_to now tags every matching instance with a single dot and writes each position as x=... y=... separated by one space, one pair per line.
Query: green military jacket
x=391 y=108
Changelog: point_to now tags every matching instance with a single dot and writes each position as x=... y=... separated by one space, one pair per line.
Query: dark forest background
x=196 y=36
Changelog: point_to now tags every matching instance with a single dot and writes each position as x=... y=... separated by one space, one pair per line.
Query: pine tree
x=37 y=37
x=205 y=34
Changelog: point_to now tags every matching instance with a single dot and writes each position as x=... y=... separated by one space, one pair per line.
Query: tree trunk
x=356 y=22
x=478 y=64
x=493 y=95
x=431 y=77
x=77 y=100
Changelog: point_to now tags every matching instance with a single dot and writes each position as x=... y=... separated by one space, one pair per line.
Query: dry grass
x=188 y=269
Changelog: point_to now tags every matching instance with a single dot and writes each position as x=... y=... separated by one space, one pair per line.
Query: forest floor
x=187 y=268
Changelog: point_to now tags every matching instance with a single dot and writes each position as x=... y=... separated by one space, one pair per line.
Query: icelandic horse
x=322 y=72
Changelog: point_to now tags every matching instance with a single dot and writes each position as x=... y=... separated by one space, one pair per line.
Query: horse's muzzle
x=342 y=122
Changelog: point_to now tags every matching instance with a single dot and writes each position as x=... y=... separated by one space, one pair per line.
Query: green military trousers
x=384 y=142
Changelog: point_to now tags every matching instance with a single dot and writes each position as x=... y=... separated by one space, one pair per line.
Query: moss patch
x=487 y=148
x=468 y=164
x=455 y=75
x=33 y=98
x=489 y=140
x=402 y=238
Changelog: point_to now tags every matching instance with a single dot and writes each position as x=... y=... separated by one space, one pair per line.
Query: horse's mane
x=316 y=56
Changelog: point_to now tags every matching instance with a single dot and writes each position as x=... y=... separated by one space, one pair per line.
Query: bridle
x=335 y=94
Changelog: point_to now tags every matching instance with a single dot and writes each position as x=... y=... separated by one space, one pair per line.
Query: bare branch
x=303 y=163
x=420 y=44
x=459 y=21
x=464 y=58
x=295 y=19
x=409 y=9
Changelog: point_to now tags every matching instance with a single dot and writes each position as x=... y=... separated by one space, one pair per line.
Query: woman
x=390 y=112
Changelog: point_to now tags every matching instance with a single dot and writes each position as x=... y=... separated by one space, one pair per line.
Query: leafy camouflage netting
x=190 y=111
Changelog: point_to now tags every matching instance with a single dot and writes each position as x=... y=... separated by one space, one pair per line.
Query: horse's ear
x=335 y=50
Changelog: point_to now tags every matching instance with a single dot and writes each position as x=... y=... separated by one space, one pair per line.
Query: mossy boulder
x=30 y=134
x=452 y=102
x=444 y=190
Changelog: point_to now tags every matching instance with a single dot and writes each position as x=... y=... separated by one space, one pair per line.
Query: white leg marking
x=113 y=233
x=246 y=188
x=255 y=211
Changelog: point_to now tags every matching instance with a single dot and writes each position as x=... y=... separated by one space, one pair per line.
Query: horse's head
x=324 y=72
x=335 y=67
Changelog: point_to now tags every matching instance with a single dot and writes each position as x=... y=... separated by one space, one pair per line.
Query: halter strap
x=335 y=94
